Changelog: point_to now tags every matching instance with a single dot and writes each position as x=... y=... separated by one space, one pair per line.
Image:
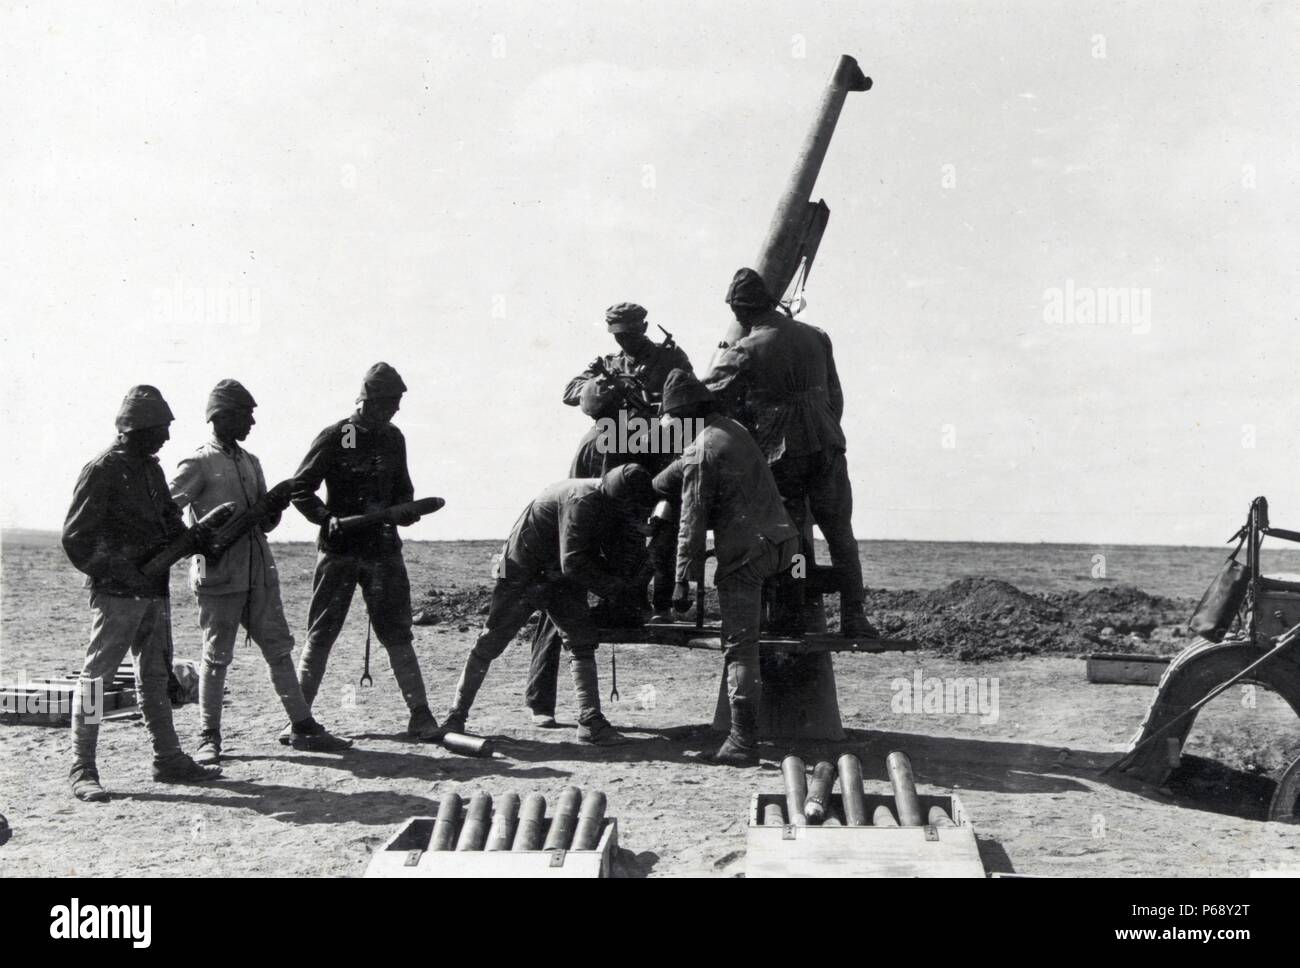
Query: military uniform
x=726 y=487
x=780 y=381
x=363 y=468
x=564 y=545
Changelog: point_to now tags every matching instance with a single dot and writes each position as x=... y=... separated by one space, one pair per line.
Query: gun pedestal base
x=798 y=698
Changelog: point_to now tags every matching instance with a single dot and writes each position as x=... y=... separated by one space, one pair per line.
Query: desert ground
x=1029 y=776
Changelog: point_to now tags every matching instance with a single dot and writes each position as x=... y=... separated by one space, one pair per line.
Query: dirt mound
x=986 y=618
x=1124 y=608
x=463 y=608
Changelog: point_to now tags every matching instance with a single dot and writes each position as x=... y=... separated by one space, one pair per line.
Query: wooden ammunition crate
x=407 y=854
x=1125 y=669
x=56 y=697
x=799 y=851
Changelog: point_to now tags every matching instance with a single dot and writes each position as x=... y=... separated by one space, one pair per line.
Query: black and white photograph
x=576 y=439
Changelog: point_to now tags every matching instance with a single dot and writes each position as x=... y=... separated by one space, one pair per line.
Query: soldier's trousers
x=387 y=593
x=566 y=620
x=260 y=611
x=819 y=483
x=740 y=598
x=118 y=625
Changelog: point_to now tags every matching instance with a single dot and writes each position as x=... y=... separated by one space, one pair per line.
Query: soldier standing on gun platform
x=242 y=587
x=592 y=390
x=121 y=513
x=362 y=461
x=566 y=543
x=780 y=380
x=726 y=486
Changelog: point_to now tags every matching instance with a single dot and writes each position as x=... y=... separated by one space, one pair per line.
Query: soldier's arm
x=188 y=484
x=272 y=519
x=307 y=480
x=403 y=489
x=833 y=380
x=693 y=526
x=86 y=542
x=173 y=519
x=729 y=377
x=581 y=530
x=683 y=362
x=573 y=390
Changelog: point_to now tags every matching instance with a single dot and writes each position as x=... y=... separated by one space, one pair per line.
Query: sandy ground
x=1029 y=778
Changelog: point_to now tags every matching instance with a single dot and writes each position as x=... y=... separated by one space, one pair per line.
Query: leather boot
x=311 y=670
x=854 y=624
x=593 y=728
x=743 y=684
x=471 y=678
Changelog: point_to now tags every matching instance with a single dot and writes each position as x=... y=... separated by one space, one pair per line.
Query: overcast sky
x=461 y=189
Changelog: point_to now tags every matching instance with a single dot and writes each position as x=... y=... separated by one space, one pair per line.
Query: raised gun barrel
x=798 y=223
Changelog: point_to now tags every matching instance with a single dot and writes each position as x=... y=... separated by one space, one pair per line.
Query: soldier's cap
x=143 y=407
x=683 y=389
x=381 y=380
x=598 y=399
x=748 y=292
x=625 y=317
x=630 y=485
x=228 y=395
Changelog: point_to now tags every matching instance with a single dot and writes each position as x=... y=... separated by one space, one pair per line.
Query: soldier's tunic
x=121 y=513
x=780 y=381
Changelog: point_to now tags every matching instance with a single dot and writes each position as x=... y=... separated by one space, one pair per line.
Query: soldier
x=242 y=587
x=362 y=461
x=725 y=486
x=564 y=545
x=121 y=513
x=780 y=380
x=647 y=364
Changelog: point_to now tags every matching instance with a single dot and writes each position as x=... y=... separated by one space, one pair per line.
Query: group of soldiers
x=759 y=457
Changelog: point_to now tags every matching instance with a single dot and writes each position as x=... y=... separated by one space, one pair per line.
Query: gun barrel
x=778 y=256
